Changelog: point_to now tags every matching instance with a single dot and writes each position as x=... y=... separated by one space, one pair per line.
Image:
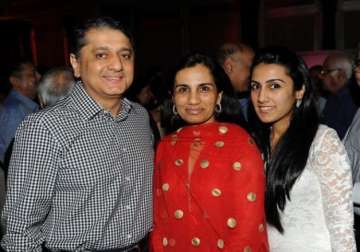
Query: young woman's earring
x=298 y=103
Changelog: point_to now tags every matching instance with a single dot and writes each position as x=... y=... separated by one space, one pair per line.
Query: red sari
x=209 y=191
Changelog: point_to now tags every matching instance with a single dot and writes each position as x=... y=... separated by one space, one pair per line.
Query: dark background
x=166 y=30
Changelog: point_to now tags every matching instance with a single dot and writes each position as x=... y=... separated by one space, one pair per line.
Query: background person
x=19 y=103
x=55 y=85
x=340 y=106
x=236 y=60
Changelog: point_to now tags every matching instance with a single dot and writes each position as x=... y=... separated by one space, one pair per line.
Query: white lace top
x=319 y=216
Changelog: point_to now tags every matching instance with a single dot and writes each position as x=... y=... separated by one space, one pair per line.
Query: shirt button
x=129 y=236
x=127 y=178
x=124 y=150
x=128 y=207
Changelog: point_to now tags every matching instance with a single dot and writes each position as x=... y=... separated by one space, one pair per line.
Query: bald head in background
x=54 y=85
x=337 y=70
x=236 y=59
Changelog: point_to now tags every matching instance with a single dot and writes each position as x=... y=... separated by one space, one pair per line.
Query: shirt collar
x=88 y=107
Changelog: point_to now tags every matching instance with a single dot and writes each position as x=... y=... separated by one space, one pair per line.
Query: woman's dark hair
x=230 y=111
x=79 y=33
x=290 y=155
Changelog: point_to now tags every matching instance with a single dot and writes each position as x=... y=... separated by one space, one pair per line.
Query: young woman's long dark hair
x=230 y=112
x=289 y=157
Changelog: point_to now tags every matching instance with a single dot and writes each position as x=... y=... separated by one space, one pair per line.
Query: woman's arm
x=333 y=166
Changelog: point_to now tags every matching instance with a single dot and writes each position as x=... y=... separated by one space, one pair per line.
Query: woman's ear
x=218 y=100
x=299 y=94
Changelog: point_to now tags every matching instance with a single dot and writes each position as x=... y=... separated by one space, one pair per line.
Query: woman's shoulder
x=325 y=131
x=234 y=129
x=326 y=138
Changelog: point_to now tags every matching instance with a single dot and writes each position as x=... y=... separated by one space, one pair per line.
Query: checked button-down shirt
x=80 y=179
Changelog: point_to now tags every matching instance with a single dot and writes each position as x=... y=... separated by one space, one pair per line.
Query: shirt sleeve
x=335 y=178
x=31 y=180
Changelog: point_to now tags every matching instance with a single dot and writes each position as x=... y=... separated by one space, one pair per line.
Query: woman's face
x=195 y=94
x=273 y=94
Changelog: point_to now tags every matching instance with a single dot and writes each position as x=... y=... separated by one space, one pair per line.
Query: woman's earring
x=298 y=103
x=218 y=108
x=174 y=110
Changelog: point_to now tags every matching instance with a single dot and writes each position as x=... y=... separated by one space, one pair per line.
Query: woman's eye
x=274 y=86
x=205 y=89
x=181 y=90
x=254 y=85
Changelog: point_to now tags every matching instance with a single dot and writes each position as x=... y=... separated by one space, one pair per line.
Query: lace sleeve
x=332 y=165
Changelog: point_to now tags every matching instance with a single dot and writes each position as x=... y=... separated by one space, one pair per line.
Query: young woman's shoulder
x=326 y=138
x=325 y=131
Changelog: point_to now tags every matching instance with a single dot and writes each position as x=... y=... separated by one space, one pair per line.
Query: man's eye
x=101 y=55
x=126 y=56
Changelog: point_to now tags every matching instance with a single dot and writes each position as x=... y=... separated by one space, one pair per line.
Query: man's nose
x=116 y=63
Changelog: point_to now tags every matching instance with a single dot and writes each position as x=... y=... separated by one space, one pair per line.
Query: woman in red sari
x=209 y=177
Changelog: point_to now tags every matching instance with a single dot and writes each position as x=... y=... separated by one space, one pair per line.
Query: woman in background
x=209 y=178
x=308 y=177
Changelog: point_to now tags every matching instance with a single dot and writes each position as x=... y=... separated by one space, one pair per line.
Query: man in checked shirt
x=81 y=172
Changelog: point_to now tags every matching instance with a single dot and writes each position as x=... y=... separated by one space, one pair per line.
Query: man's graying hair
x=50 y=89
x=344 y=62
x=228 y=49
x=79 y=33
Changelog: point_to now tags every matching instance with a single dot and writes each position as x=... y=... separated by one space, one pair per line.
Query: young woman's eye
x=275 y=86
x=254 y=85
x=181 y=90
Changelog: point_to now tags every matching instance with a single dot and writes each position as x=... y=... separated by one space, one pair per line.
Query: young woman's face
x=195 y=94
x=273 y=94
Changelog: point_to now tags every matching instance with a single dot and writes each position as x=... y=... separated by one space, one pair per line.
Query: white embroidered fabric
x=319 y=216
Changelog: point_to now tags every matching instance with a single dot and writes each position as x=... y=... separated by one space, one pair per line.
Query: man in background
x=236 y=60
x=54 y=85
x=340 y=107
x=19 y=103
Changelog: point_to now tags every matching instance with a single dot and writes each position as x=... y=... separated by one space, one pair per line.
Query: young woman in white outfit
x=308 y=191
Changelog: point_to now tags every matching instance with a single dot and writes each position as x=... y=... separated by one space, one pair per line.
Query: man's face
x=332 y=76
x=105 y=64
x=240 y=69
x=27 y=80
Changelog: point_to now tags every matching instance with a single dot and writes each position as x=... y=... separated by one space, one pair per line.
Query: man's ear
x=14 y=81
x=342 y=75
x=228 y=67
x=74 y=61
